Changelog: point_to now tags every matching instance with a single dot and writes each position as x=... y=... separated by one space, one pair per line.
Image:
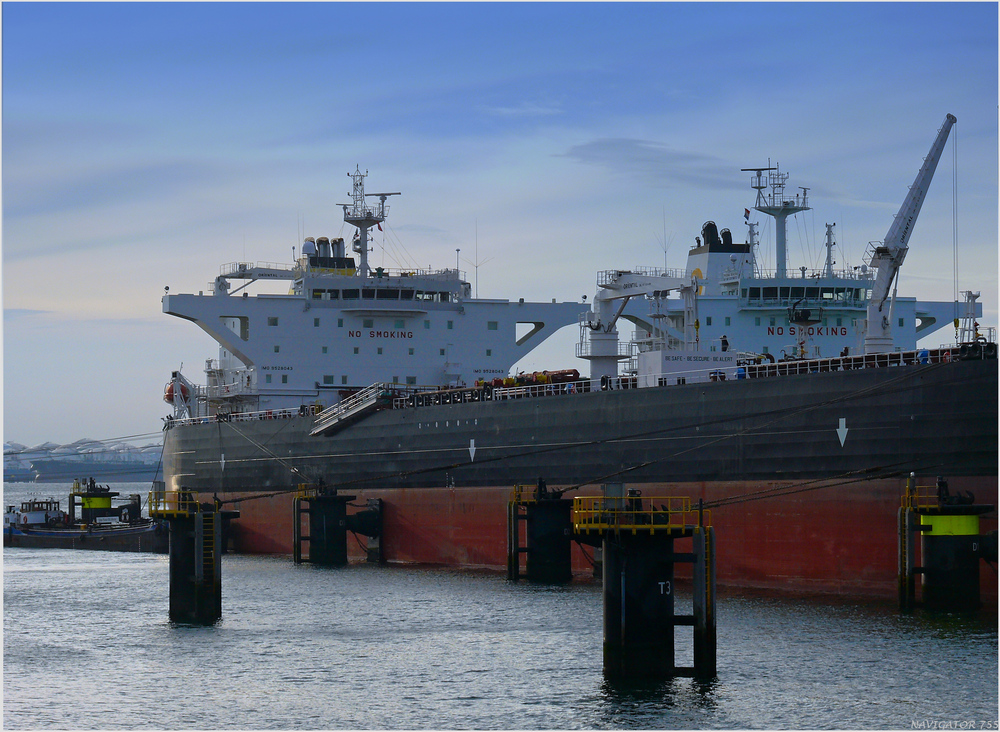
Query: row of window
x=839 y=321
x=399 y=323
x=809 y=293
x=373 y=293
x=330 y=380
x=357 y=350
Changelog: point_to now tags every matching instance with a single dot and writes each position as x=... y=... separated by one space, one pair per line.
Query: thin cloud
x=22 y=313
x=656 y=164
x=524 y=109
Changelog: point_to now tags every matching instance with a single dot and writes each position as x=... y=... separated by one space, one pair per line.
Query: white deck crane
x=599 y=336
x=888 y=256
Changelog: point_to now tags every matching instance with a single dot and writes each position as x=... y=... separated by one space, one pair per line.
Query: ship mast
x=358 y=214
x=775 y=204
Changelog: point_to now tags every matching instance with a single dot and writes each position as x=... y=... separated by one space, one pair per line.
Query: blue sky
x=146 y=144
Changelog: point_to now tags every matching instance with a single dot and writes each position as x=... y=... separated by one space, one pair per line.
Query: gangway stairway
x=352 y=408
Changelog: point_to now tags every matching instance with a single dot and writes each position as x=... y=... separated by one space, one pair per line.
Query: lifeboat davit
x=169 y=394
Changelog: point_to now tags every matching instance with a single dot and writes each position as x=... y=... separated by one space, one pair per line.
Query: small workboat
x=42 y=523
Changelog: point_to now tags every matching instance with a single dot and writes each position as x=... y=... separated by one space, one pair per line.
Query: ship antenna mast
x=777 y=205
x=359 y=214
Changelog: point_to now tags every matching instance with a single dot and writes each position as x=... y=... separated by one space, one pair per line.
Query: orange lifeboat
x=169 y=393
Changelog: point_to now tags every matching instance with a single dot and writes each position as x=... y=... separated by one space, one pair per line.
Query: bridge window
x=369 y=323
x=368 y=293
x=755 y=293
x=328 y=379
x=351 y=294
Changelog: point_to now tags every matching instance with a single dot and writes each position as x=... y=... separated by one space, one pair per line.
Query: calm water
x=87 y=644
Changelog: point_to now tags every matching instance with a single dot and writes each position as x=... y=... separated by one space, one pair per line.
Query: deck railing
x=410 y=397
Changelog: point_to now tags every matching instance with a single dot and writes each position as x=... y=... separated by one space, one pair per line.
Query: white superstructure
x=724 y=308
x=342 y=327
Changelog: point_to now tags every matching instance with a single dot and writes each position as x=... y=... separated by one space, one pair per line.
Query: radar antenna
x=359 y=214
x=777 y=205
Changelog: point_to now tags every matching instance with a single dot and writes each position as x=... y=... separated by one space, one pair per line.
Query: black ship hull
x=804 y=473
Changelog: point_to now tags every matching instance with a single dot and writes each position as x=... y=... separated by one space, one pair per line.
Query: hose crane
x=888 y=256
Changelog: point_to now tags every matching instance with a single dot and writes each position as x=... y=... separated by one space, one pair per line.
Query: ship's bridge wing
x=210 y=313
x=258 y=271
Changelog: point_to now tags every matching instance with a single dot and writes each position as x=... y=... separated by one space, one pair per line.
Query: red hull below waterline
x=839 y=539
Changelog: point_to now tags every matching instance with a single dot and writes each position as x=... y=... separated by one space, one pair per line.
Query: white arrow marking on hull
x=842 y=431
x=472 y=449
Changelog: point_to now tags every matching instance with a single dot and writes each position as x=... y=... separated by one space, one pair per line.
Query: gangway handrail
x=364 y=398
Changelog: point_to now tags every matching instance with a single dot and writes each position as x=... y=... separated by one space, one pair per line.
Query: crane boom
x=888 y=257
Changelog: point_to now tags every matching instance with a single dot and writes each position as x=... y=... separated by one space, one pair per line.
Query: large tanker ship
x=795 y=403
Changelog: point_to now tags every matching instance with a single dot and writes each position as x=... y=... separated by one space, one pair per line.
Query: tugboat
x=41 y=523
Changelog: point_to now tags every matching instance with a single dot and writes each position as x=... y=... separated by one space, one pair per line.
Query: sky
x=145 y=144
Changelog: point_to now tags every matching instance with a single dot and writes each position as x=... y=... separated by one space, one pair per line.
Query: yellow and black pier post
x=327 y=524
x=548 y=528
x=195 y=555
x=950 y=547
x=639 y=551
x=326 y=513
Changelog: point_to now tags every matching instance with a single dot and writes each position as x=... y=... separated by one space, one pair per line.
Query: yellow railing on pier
x=635 y=514
x=920 y=497
x=524 y=494
x=173 y=504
